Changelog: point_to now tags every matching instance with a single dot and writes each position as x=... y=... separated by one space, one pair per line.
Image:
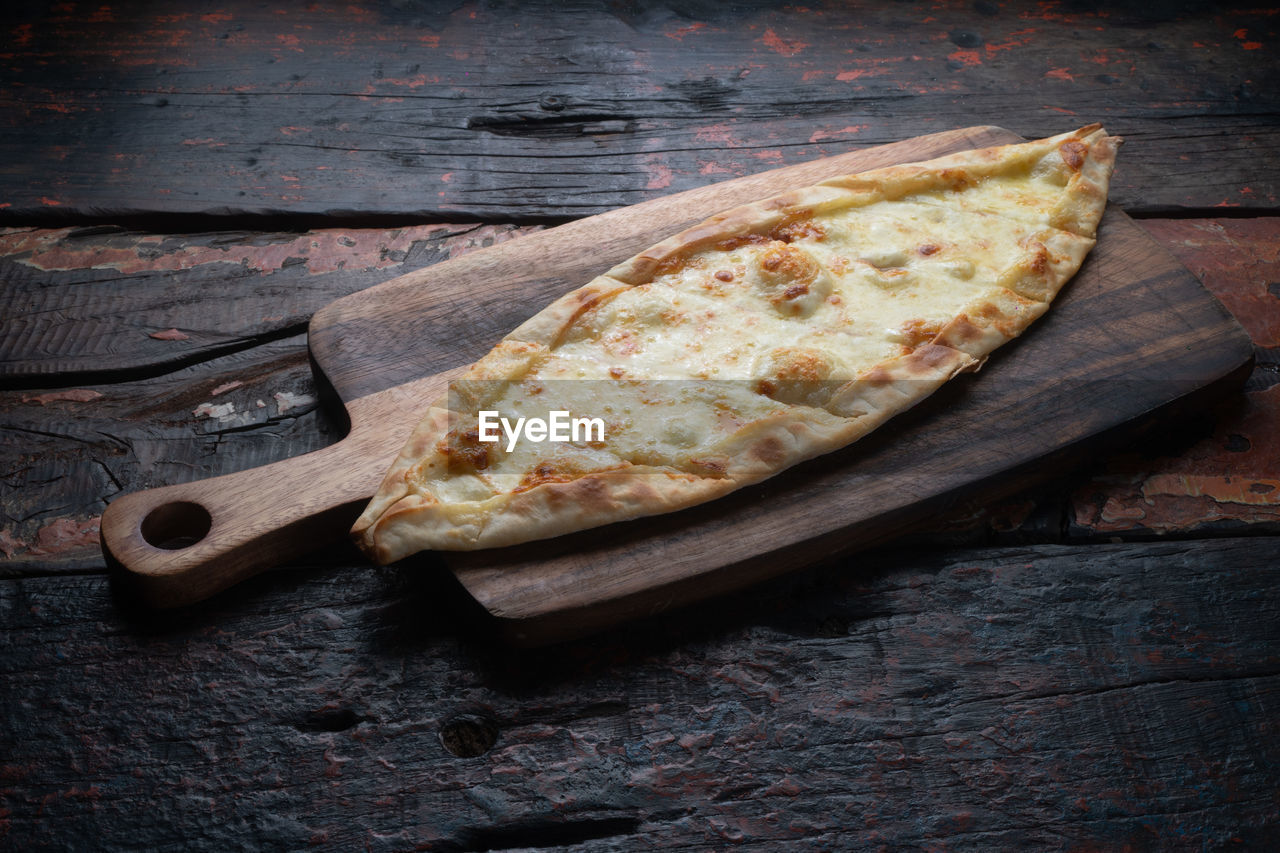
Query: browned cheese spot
x=989 y=311
x=998 y=319
x=670 y=265
x=956 y=179
x=1040 y=258
x=724 y=275
x=793 y=374
x=617 y=372
x=962 y=330
x=797 y=227
x=465 y=450
x=929 y=249
x=787 y=272
x=739 y=240
x=1072 y=152
x=767 y=387
x=621 y=342
x=803 y=365
x=543 y=473
x=919 y=331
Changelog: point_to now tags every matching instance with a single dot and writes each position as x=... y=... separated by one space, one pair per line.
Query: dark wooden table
x=1091 y=665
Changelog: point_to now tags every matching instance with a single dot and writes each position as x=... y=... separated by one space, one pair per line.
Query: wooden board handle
x=185 y=542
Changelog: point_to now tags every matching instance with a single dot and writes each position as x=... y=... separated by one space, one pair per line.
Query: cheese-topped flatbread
x=759 y=338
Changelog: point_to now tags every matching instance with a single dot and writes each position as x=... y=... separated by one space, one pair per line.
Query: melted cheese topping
x=741 y=331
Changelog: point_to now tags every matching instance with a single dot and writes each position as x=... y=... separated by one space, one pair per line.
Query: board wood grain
x=1132 y=333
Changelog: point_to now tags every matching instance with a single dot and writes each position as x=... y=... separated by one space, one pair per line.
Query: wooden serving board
x=1131 y=334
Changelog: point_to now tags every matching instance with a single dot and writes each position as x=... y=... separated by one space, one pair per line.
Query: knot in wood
x=468 y=735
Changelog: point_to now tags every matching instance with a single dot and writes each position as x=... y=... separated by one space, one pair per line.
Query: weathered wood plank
x=66 y=452
x=566 y=109
x=100 y=304
x=1047 y=697
x=1222 y=475
x=64 y=459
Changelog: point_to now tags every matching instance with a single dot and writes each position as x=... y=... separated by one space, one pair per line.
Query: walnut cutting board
x=1131 y=334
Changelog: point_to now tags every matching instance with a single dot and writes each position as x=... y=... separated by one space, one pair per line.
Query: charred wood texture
x=512 y=112
x=1102 y=696
x=1092 y=665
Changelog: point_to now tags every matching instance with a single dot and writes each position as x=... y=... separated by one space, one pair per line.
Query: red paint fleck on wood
x=70 y=395
x=9 y=545
x=1237 y=260
x=324 y=251
x=819 y=135
x=224 y=388
x=779 y=45
x=967 y=58
x=169 y=335
x=660 y=178
x=416 y=82
x=1017 y=38
x=1222 y=488
x=1060 y=74
x=680 y=32
x=66 y=534
x=1233 y=475
x=716 y=135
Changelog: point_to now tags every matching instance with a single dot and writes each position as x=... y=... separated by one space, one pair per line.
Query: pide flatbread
x=764 y=336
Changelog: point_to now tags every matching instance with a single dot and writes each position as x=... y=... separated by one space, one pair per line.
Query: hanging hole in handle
x=176 y=526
